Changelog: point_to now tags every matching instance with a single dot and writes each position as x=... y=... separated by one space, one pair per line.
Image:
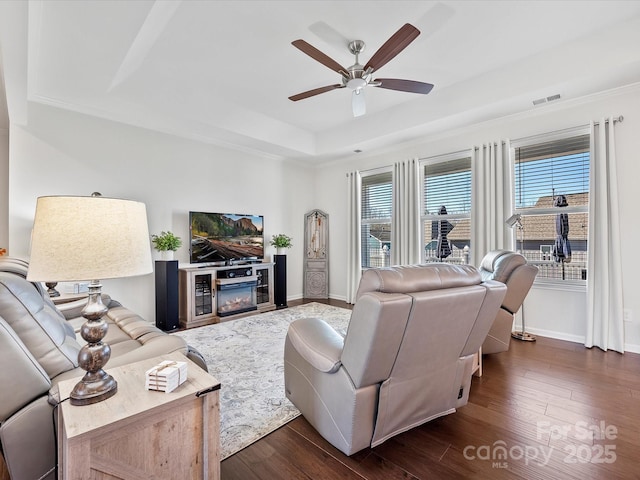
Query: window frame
x=424 y=217
x=569 y=284
x=375 y=221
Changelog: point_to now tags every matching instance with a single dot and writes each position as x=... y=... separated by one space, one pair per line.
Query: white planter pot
x=281 y=251
x=166 y=255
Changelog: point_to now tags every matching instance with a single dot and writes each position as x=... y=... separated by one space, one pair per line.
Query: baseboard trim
x=628 y=347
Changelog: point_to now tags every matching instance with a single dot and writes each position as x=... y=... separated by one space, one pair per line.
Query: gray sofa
x=406 y=358
x=39 y=348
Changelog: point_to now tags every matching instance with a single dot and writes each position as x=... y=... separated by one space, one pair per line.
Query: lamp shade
x=89 y=238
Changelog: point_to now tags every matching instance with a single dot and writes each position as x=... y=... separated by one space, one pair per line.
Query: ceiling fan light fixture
x=358 y=104
x=357 y=84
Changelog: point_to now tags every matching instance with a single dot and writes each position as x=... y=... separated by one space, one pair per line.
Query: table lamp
x=88 y=239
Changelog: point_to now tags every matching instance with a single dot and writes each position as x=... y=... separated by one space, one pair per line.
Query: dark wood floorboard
x=546 y=402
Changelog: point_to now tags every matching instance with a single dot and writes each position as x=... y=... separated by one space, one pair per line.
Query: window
x=376 y=207
x=552 y=196
x=446 y=208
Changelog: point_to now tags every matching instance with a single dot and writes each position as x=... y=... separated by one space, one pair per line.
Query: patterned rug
x=246 y=356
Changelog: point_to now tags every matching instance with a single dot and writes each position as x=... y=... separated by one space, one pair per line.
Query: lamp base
x=524 y=336
x=99 y=387
x=96 y=385
x=51 y=289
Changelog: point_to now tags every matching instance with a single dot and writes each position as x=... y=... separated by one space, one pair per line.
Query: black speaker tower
x=167 y=295
x=280 y=277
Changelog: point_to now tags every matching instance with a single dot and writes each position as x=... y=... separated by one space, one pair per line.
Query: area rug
x=246 y=356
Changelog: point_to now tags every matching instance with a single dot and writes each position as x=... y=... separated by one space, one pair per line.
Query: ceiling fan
x=357 y=77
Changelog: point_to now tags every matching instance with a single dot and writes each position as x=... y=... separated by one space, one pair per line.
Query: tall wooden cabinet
x=316 y=259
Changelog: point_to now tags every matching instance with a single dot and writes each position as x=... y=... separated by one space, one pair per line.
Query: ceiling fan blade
x=315 y=91
x=317 y=55
x=404 y=85
x=392 y=47
x=358 y=105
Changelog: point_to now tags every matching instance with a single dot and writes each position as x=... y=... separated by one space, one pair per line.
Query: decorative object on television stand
x=281 y=242
x=316 y=260
x=515 y=220
x=86 y=239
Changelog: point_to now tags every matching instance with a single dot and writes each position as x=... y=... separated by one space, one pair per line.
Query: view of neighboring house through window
x=446 y=208
x=376 y=208
x=552 y=196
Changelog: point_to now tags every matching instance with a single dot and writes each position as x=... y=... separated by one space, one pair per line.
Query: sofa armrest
x=317 y=342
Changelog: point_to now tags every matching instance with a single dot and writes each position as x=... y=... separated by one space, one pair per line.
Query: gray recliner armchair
x=513 y=270
x=406 y=358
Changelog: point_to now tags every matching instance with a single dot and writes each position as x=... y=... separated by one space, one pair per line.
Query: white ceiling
x=221 y=71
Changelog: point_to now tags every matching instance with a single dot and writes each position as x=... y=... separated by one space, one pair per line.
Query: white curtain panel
x=354 y=258
x=605 y=318
x=491 y=202
x=405 y=225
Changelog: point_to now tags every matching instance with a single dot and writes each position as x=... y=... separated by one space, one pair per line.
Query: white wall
x=61 y=152
x=66 y=153
x=554 y=312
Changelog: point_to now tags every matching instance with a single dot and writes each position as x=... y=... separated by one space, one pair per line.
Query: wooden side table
x=141 y=434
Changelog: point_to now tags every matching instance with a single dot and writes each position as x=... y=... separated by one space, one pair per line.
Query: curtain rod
x=617 y=119
x=502 y=144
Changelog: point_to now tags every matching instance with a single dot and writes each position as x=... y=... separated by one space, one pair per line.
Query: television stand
x=200 y=291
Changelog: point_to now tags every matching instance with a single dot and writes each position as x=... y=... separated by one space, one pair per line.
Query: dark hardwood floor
x=555 y=409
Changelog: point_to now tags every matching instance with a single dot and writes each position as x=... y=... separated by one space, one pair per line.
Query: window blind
x=545 y=170
x=376 y=212
x=447 y=184
x=377 y=193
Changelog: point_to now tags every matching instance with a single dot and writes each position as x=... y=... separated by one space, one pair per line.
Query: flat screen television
x=223 y=237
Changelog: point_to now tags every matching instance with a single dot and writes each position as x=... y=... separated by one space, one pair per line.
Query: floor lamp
x=515 y=220
x=86 y=239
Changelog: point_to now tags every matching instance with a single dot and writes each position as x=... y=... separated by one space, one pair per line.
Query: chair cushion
x=21 y=377
x=40 y=326
x=21 y=267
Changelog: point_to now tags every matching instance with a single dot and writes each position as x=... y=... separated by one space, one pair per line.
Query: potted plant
x=281 y=241
x=166 y=243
